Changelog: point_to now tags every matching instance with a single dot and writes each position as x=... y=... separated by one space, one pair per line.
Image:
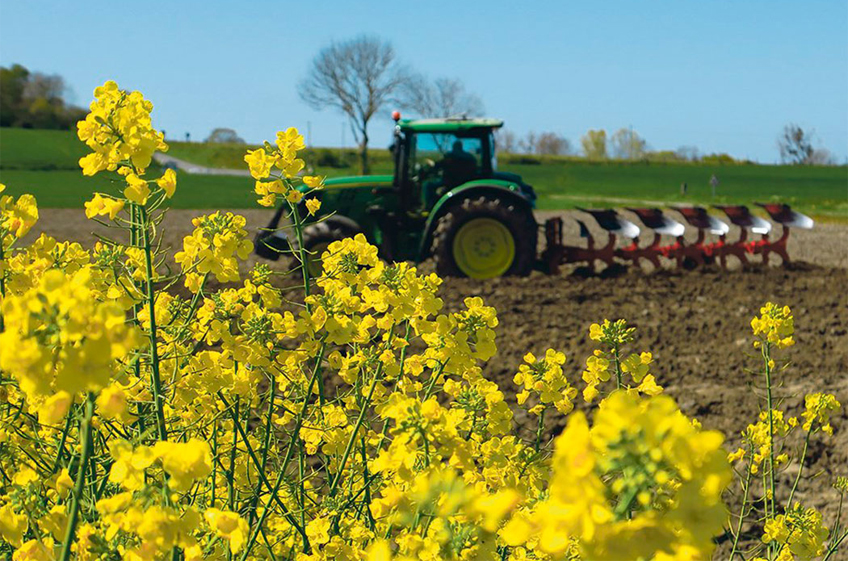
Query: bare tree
x=796 y=147
x=552 y=144
x=507 y=143
x=627 y=145
x=822 y=157
x=688 y=153
x=443 y=97
x=50 y=87
x=358 y=77
x=527 y=145
x=594 y=144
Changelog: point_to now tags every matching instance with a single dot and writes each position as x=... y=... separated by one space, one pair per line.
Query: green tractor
x=446 y=200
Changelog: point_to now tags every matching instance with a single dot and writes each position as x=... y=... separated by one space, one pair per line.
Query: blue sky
x=723 y=76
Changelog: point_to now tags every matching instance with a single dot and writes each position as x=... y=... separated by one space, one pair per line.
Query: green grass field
x=45 y=164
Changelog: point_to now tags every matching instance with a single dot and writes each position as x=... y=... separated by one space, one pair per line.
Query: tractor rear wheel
x=316 y=239
x=484 y=238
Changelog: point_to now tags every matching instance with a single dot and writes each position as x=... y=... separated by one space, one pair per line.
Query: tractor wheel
x=484 y=238
x=316 y=240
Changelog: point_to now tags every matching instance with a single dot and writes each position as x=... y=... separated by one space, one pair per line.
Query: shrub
x=138 y=423
x=327 y=157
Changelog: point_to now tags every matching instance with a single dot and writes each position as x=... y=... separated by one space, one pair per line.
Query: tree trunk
x=363 y=154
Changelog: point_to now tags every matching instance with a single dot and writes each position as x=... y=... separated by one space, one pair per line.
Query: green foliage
x=720 y=159
x=663 y=156
x=223 y=135
x=34 y=100
x=594 y=144
x=626 y=144
x=329 y=158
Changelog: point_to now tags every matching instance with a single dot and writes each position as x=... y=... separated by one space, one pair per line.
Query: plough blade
x=742 y=217
x=685 y=254
x=698 y=217
x=786 y=217
x=613 y=222
x=654 y=219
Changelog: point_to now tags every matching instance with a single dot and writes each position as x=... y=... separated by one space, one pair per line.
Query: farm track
x=696 y=324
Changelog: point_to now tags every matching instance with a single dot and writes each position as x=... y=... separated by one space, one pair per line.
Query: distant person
x=713 y=184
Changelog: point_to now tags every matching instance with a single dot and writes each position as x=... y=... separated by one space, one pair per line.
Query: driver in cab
x=458 y=166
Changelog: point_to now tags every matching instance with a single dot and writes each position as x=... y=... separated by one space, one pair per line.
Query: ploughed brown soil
x=696 y=324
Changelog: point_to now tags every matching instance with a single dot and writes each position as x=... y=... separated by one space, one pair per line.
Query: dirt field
x=695 y=323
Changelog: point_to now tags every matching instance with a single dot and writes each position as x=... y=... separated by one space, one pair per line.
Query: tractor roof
x=450 y=124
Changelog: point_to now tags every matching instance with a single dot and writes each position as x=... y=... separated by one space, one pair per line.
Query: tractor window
x=446 y=159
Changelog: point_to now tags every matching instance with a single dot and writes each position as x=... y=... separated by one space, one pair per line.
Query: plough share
x=684 y=254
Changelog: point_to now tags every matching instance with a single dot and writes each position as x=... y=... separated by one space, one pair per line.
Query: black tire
x=270 y=245
x=316 y=238
x=518 y=220
x=271 y=242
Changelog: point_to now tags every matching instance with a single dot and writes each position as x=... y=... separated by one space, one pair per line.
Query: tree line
x=362 y=77
x=35 y=100
x=795 y=144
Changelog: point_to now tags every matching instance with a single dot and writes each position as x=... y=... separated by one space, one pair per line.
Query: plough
x=685 y=254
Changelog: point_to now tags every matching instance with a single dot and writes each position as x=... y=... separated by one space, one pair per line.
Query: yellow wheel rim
x=483 y=248
x=313 y=259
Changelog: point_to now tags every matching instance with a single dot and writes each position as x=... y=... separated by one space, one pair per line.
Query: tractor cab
x=433 y=156
x=445 y=200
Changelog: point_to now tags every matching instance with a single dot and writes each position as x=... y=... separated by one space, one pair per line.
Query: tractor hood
x=359 y=181
x=515 y=178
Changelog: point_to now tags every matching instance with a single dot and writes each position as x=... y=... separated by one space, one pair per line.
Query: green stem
x=769 y=403
x=304 y=267
x=62 y=440
x=2 y=277
x=839 y=513
x=301 y=480
x=266 y=445
x=366 y=481
x=618 y=373
x=284 y=465
x=359 y=421
x=540 y=429
x=234 y=411
x=214 y=464
x=832 y=549
x=622 y=509
x=195 y=300
x=800 y=467
x=85 y=454
x=433 y=380
x=155 y=378
x=744 y=502
x=263 y=479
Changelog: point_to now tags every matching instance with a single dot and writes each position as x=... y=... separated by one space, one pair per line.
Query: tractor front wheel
x=484 y=238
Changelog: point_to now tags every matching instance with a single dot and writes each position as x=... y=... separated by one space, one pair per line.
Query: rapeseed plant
x=139 y=424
